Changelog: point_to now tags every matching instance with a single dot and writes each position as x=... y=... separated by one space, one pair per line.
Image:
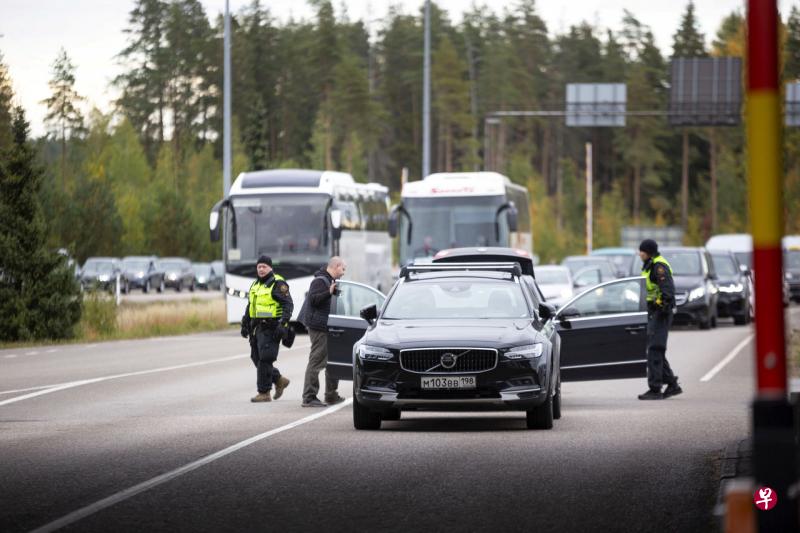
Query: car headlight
x=103 y=278
x=528 y=351
x=697 y=293
x=373 y=353
x=734 y=287
x=234 y=292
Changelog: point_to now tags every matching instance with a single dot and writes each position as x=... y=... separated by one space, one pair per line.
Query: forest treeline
x=329 y=93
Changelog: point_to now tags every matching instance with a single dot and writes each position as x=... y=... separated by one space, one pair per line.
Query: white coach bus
x=300 y=218
x=448 y=210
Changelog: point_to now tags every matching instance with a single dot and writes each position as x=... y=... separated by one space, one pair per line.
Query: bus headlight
x=237 y=293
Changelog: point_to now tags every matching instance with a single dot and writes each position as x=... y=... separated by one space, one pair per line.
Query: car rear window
x=457 y=298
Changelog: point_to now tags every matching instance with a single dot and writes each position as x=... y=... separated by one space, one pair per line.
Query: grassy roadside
x=102 y=320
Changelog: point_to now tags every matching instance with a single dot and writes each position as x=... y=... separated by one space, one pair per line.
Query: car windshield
x=622 y=262
x=575 y=264
x=457 y=298
x=552 y=277
x=450 y=222
x=791 y=259
x=725 y=265
x=136 y=265
x=172 y=265
x=201 y=269
x=684 y=263
x=98 y=267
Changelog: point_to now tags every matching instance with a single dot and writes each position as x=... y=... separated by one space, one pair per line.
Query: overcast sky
x=32 y=31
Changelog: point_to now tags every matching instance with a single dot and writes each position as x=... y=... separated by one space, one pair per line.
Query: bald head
x=336 y=267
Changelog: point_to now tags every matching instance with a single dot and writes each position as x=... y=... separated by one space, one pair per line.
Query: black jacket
x=280 y=291
x=317 y=306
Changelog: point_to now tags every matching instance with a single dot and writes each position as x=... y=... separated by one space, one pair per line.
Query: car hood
x=554 y=290
x=687 y=283
x=493 y=333
x=729 y=280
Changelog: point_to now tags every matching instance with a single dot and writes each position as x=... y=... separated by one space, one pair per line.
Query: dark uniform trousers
x=658 y=370
x=264 y=353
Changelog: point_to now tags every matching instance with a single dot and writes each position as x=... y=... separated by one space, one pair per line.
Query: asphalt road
x=107 y=436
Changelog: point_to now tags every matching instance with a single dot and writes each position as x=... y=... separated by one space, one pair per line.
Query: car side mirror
x=569 y=312
x=369 y=313
x=511 y=217
x=394 y=223
x=336 y=224
x=547 y=311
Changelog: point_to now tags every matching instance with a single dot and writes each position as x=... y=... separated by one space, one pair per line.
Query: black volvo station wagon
x=476 y=336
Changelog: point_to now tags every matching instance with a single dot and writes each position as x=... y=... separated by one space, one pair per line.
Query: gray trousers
x=317 y=360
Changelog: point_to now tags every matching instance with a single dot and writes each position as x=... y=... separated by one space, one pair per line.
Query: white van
x=741 y=244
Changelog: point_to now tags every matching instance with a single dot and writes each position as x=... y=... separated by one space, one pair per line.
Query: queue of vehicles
x=467 y=322
x=148 y=274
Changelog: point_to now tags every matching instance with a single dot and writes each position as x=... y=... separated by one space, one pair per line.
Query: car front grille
x=468 y=360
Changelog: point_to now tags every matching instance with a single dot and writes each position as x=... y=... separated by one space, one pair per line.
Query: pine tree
x=451 y=103
x=688 y=41
x=63 y=116
x=38 y=293
x=6 y=94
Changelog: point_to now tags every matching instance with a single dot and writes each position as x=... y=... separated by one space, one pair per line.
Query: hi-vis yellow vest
x=653 y=290
x=262 y=304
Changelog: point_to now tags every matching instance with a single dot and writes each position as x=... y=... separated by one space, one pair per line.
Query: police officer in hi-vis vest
x=265 y=322
x=660 y=301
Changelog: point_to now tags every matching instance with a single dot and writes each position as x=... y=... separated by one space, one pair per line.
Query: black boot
x=673 y=389
x=652 y=394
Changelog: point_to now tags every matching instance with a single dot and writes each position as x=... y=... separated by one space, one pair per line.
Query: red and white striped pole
x=773 y=432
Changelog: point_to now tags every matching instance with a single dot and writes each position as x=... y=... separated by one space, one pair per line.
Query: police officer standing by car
x=660 y=300
x=266 y=322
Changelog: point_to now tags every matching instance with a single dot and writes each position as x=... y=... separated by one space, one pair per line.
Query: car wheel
x=706 y=323
x=740 y=320
x=557 y=403
x=713 y=320
x=363 y=417
x=146 y=287
x=541 y=417
x=191 y=287
x=179 y=286
x=391 y=414
x=161 y=286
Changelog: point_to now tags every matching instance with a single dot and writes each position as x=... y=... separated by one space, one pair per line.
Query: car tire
x=540 y=417
x=705 y=324
x=363 y=417
x=161 y=286
x=146 y=287
x=391 y=414
x=179 y=286
x=191 y=287
x=713 y=320
x=740 y=320
x=557 y=403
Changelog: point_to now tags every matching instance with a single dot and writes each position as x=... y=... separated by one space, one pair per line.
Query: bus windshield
x=287 y=227
x=450 y=222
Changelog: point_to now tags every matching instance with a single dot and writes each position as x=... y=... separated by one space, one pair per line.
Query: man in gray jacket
x=314 y=315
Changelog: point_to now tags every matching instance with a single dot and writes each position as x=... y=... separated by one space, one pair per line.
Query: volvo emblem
x=448 y=360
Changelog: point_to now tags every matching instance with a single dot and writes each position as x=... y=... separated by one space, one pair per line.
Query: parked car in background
x=735 y=287
x=626 y=260
x=219 y=269
x=555 y=282
x=100 y=273
x=741 y=244
x=178 y=273
x=142 y=272
x=205 y=277
x=791 y=271
x=696 y=290
x=588 y=270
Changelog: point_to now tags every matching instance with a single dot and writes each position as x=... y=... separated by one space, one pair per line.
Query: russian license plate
x=448 y=382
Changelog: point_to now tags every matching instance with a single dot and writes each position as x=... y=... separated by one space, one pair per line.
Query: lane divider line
x=79 y=383
x=123 y=495
x=728 y=358
x=47 y=389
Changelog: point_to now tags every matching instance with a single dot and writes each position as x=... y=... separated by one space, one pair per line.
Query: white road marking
x=32 y=353
x=51 y=351
x=93 y=508
x=40 y=387
x=73 y=384
x=728 y=358
x=10 y=356
x=47 y=389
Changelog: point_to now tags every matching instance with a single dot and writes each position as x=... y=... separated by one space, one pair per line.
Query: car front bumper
x=511 y=385
x=694 y=311
x=731 y=304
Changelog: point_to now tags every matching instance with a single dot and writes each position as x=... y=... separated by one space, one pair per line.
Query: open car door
x=604 y=332
x=345 y=325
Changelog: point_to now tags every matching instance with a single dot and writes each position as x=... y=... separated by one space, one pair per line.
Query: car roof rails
x=512 y=268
